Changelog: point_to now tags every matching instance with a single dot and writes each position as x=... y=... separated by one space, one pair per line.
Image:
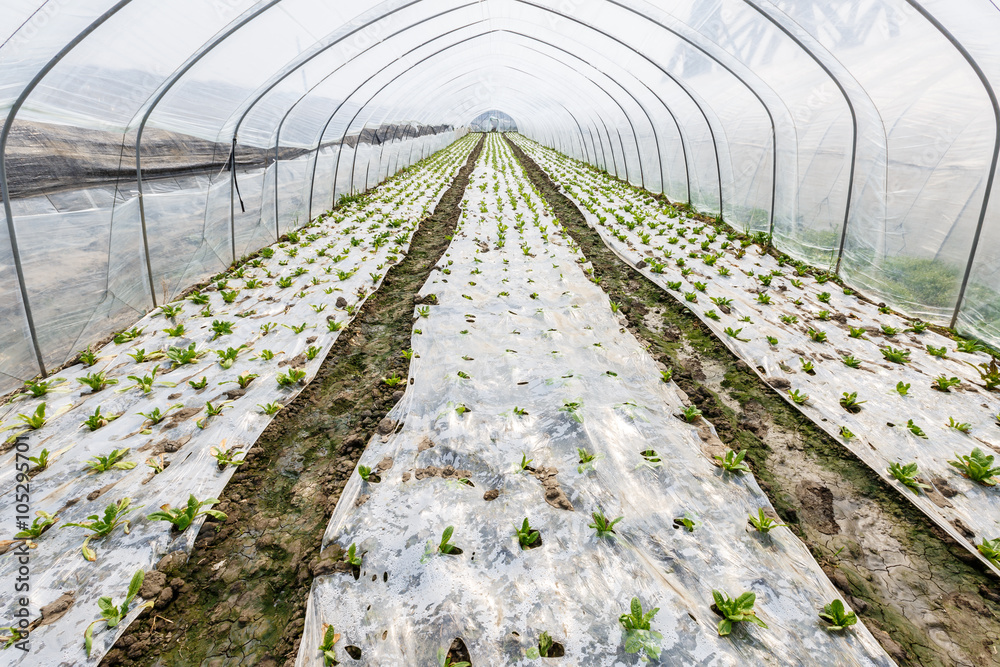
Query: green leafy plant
x=638 y=635
x=897 y=356
x=41 y=461
x=857 y=332
x=959 y=426
x=113 y=614
x=735 y=333
x=798 y=398
x=198 y=384
x=88 y=357
x=763 y=523
x=128 y=336
x=945 y=384
x=824 y=297
x=270 y=408
x=970 y=346
x=977 y=466
x=690 y=413
x=735 y=611
x=34 y=421
x=990 y=549
x=902 y=388
x=96 y=381
x=181 y=518
x=114 y=516
x=838 y=619
x=42 y=522
x=445 y=545
x=225 y=456
x=914 y=429
x=99 y=420
x=907 y=476
x=990 y=375
x=228 y=356
x=602 y=525
x=733 y=461
x=291 y=377
x=817 y=336
x=526 y=535
x=938 y=351
x=850 y=402
x=889 y=331
x=851 y=362
x=155 y=416
x=807 y=366
x=110 y=461
x=175 y=332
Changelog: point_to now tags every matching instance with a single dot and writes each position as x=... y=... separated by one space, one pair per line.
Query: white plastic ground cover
x=522 y=356
x=970 y=512
x=345 y=255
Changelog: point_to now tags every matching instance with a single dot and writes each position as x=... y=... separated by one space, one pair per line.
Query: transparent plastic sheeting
x=348 y=254
x=860 y=134
x=968 y=511
x=528 y=346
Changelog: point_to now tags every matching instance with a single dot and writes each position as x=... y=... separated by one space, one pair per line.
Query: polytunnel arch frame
x=95 y=24
x=423 y=108
x=598 y=69
x=462 y=41
x=4 y=189
x=340 y=105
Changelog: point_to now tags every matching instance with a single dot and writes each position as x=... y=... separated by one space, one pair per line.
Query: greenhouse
x=501 y=332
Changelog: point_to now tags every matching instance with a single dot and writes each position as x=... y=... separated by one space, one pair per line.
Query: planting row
x=122 y=454
x=920 y=407
x=542 y=490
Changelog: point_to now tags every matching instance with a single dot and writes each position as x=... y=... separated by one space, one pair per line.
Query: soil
x=240 y=599
x=924 y=597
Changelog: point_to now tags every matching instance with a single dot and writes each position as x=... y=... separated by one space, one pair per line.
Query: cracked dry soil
x=925 y=598
x=241 y=597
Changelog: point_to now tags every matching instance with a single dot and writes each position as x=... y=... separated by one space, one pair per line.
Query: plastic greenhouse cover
x=553 y=370
x=264 y=323
x=929 y=426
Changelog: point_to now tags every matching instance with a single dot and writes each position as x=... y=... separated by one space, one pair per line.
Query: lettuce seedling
x=945 y=384
x=98 y=420
x=897 y=356
x=270 y=408
x=113 y=615
x=41 y=461
x=601 y=524
x=444 y=546
x=902 y=388
x=850 y=402
x=225 y=457
x=762 y=522
x=114 y=516
x=42 y=522
x=991 y=550
x=907 y=476
x=977 y=466
x=798 y=398
x=735 y=611
x=291 y=377
x=96 y=381
x=36 y=420
x=837 y=617
x=181 y=518
x=959 y=426
x=526 y=535
x=733 y=461
x=638 y=635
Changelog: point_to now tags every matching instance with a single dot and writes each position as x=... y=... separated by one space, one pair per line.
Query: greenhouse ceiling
x=147 y=145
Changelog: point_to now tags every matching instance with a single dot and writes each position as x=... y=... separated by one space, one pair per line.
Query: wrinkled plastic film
x=520 y=355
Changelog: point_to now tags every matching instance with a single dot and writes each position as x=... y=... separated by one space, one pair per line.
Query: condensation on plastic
x=57 y=565
x=881 y=427
x=531 y=331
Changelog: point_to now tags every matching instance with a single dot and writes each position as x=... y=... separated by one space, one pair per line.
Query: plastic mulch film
x=891 y=393
x=192 y=382
x=519 y=369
